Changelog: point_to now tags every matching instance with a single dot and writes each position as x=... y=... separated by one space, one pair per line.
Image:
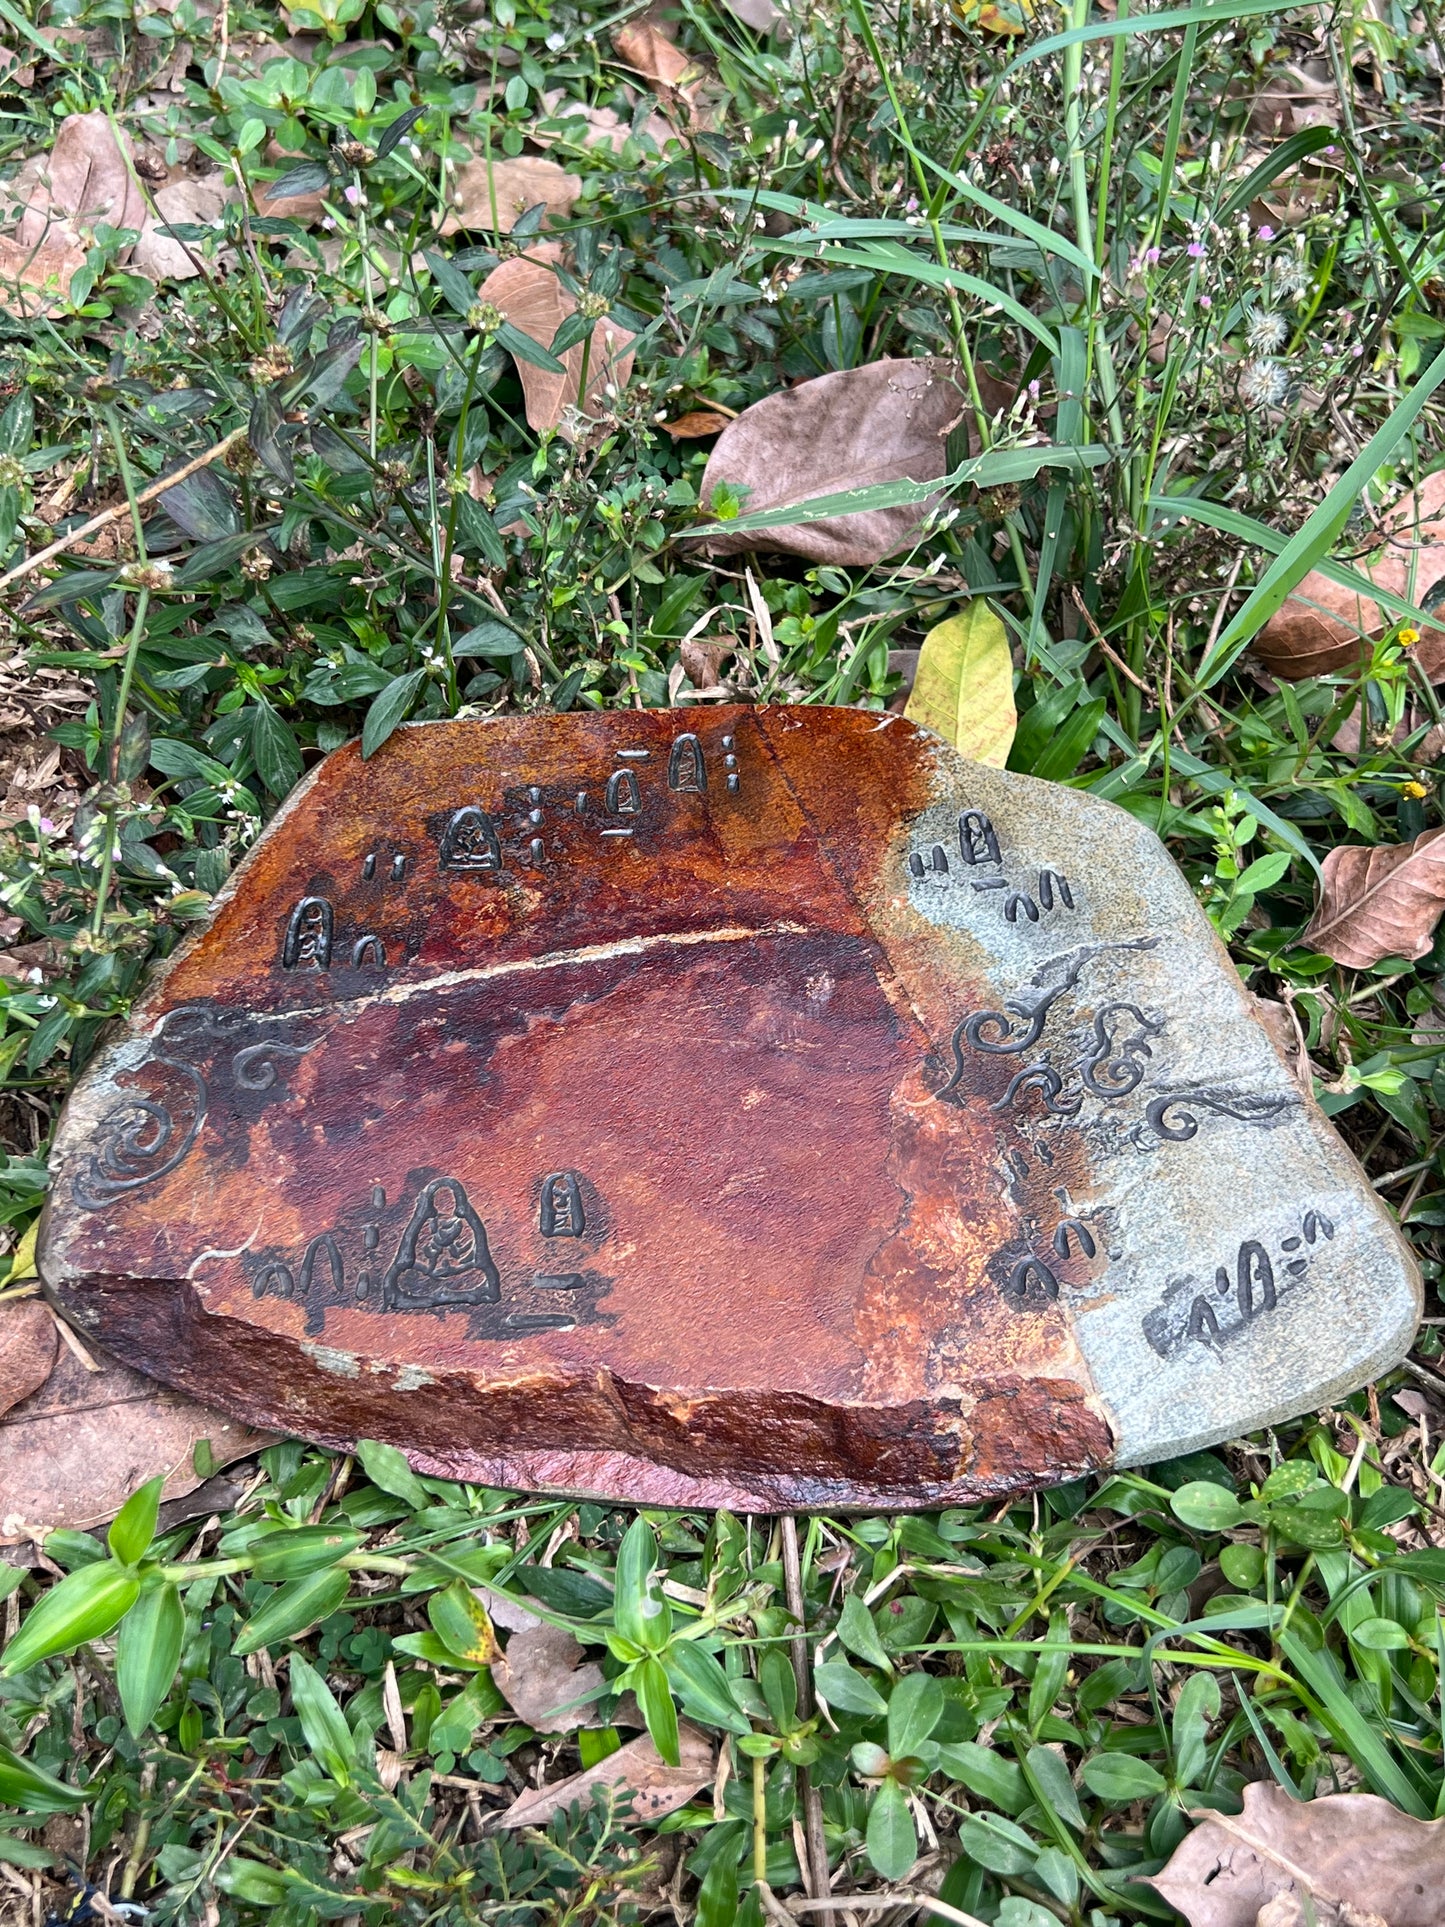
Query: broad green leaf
x=964 y=688
x=251 y=1881
x=1196 y=1706
x=522 y=348
x=385 y=1466
x=701 y=1684
x=148 y=1652
x=1051 y=1671
x=322 y=1721
x=292 y=1608
x=278 y=760
x=997 y=1844
x=915 y=1707
x=640 y=1612
x=991 y=1775
x=1050 y=1774
x=1120 y=1777
x=134 y=1526
x=86 y=1604
x=654 y=1696
x=850 y=1691
x=860 y=1635
x=459 y=292
x=389 y=710
x=461 y=1620
x=1242 y=1566
x=717 y=1897
x=1206 y=1507
x=291 y=1555
x=1379 y=1636
x=891 y=1841
x=780 y=1688
x=32 y=1791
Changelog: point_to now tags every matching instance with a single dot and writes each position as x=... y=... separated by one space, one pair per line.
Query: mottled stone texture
x=735 y=1107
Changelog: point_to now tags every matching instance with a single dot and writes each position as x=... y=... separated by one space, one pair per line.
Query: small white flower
x=1266 y=332
x=1262 y=384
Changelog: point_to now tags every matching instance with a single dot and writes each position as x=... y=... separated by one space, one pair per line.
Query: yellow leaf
x=22 y=1265
x=964 y=689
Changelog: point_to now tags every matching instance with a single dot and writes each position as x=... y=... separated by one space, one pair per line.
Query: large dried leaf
x=199 y=200
x=963 y=687
x=28 y=1343
x=681 y=83
x=86 y=178
x=658 y=1788
x=1325 y=627
x=34 y=281
x=532 y=298
x=494 y=194
x=887 y=422
x=73 y=1452
x=1379 y=902
x=576 y=120
x=1353 y=1856
x=541 y=1674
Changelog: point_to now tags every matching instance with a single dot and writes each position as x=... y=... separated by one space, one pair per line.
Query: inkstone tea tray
x=748 y=1107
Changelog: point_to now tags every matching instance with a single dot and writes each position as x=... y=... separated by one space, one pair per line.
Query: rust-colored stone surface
x=755 y=1108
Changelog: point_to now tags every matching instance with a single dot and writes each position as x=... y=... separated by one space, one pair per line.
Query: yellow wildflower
x=1408 y=638
x=1414 y=791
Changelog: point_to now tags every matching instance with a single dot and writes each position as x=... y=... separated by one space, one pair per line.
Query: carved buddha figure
x=443 y=1258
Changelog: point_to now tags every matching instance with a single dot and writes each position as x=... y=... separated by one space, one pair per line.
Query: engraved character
x=443 y=1257
x=1017 y=900
x=1031 y=1286
x=323 y=1247
x=686 y=771
x=1254 y=1269
x=469 y=841
x=623 y=796
x=1049 y=882
x=368 y=950
x=560 y=1214
x=977 y=840
x=308 y=936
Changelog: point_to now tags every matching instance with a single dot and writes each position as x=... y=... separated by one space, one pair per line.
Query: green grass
x=1013 y=1707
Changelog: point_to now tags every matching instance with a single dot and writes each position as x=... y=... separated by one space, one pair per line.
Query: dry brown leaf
x=1379 y=902
x=1324 y=627
x=658 y=1788
x=542 y=1673
x=73 y=1452
x=1360 y=1859
x=28 y=1343
x=886 y=422
x=199 y=199
x=592 y=126
x=532 y=298
x=85 y=178
x=495 y=194
x=35 y=281
x=696 y=424
x=702 y=662
x=682 y=84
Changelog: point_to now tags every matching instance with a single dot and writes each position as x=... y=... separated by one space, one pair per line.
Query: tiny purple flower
x=1206 y=301
x=1195 y=250
x=47 y=826
x=353 y=195
x=1151 y=255
x=910 y=206
x=1265 y=233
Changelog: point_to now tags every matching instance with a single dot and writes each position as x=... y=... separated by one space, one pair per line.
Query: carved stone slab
x=745 y=1107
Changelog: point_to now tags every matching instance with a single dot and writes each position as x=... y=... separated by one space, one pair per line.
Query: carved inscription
x=1241 y=1294
x=977 y=855
x=442 y=1260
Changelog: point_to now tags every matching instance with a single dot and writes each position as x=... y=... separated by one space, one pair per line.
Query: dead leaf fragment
x=761 y=15
x=658 y=1788
x=696 y=424
x=73 y=1452
x=495 y=194
x=542 y=1673
x=85 y=178
x=1359 y=1859
x=35 y=281
x=683 y=85
x=532 y=298
x=1382 y=902
x=28 y=1344
x=198 y=200
x=1325 y=627
x=886 y=422
x=702 y=662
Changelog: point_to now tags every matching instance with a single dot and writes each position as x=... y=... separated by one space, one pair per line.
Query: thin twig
x=1118 y=661
x=875 y=1903
x=120 y=509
